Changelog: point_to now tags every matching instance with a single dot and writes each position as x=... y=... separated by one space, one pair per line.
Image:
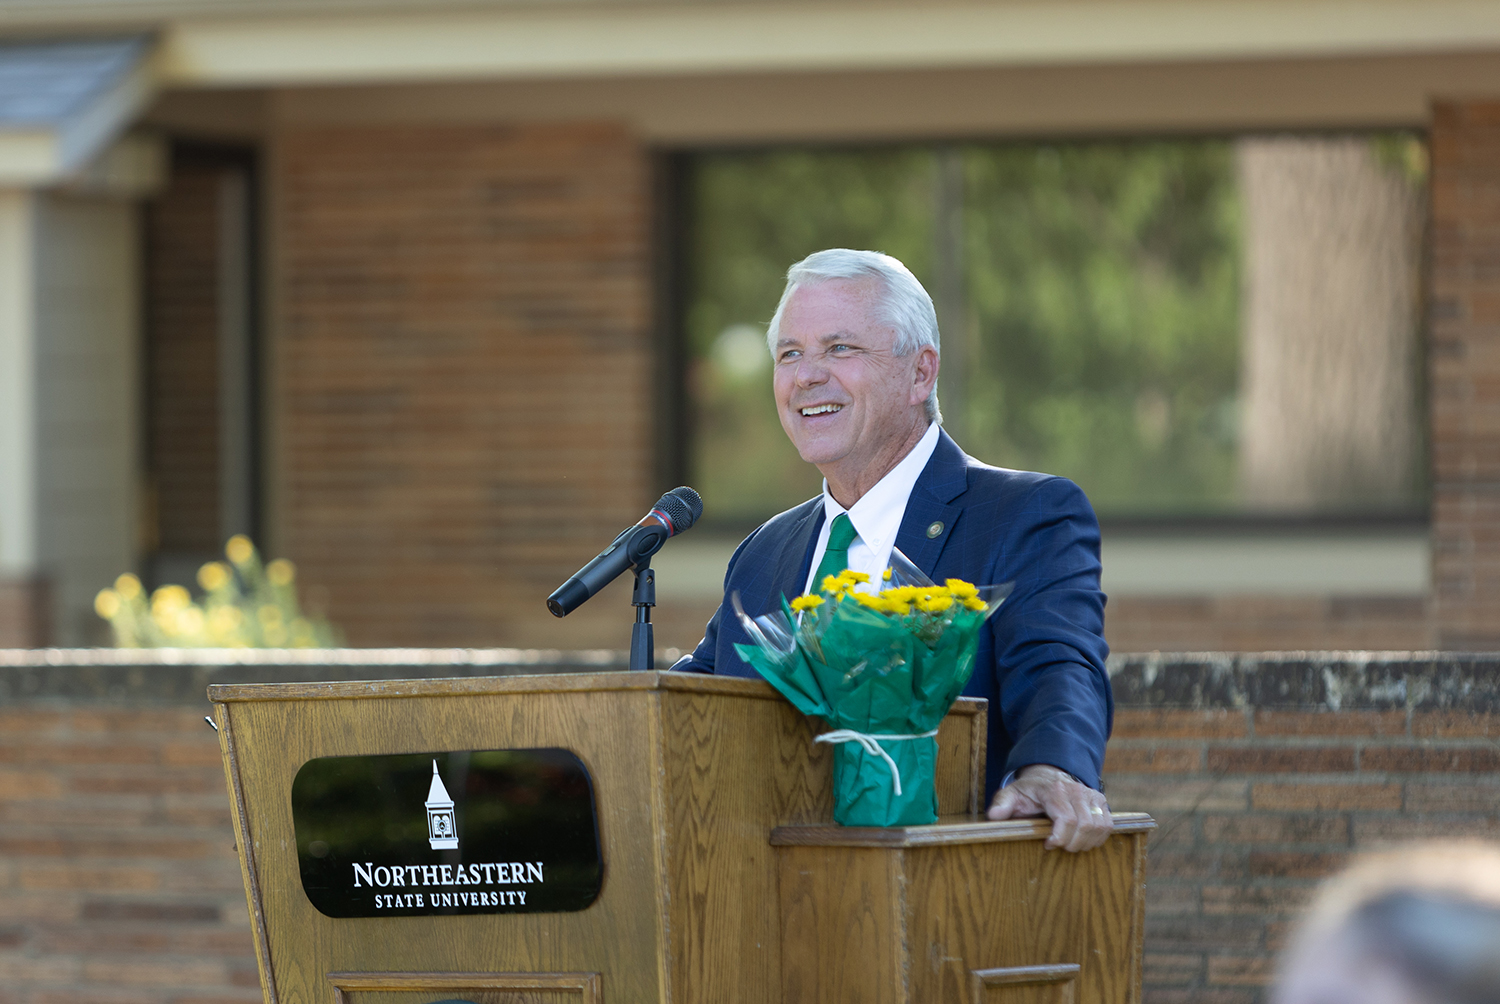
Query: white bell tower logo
x=442 y=833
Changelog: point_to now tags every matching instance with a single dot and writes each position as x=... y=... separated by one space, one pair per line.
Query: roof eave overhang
x=594 y=40
x=59 y=152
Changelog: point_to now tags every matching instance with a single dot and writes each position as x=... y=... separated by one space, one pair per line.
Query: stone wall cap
x=210 y=657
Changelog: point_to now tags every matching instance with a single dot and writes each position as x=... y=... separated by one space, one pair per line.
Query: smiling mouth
x=820 y=409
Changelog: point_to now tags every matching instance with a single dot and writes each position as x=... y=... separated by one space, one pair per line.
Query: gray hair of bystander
x=1419 y=926
x=904 y=303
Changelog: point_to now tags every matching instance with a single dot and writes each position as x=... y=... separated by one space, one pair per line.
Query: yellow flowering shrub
x=244 y=605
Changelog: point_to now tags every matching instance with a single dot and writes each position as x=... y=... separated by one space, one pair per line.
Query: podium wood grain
x=725 y=879
x=959 y=911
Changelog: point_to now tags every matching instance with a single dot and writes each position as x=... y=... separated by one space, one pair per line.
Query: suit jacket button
x=933 y=530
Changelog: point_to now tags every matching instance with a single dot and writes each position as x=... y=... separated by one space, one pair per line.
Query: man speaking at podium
x=855 y=345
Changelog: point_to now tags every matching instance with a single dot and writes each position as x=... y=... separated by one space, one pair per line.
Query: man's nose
x=810 y=372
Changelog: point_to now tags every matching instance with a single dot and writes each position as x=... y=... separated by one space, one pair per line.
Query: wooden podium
x=725 y=879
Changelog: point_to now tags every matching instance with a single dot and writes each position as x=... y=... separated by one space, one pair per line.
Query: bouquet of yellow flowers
x=882 y=667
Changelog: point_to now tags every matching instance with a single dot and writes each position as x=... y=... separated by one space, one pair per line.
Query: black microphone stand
x=642 y=640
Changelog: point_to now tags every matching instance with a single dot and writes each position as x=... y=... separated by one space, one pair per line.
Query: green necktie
x=836 y=558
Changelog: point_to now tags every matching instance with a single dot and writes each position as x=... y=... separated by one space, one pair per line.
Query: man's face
x=843 y=396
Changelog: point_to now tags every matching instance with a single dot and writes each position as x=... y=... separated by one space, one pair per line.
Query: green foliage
x=244 y=605
x=1102 y=278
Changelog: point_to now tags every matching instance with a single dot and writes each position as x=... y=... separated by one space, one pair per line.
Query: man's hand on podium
x=1080 y=815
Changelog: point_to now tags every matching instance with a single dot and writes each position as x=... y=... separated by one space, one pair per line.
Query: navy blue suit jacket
x=1041 y=656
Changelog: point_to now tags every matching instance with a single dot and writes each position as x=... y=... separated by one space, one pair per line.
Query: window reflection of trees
x=1090 y=296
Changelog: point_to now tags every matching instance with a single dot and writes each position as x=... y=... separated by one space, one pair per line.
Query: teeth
x=822 y=409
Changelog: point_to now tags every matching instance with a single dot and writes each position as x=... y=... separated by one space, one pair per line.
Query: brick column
x=24 y=613
x=1464 y=364
x=463 y=374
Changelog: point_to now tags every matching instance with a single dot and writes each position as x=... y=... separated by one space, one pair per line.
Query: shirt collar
x=877 y=515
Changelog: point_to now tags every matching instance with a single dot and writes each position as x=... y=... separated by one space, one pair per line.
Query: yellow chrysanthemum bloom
x=902 y=594
x=961 y=589
x=974 y=603
x=872 y=600
x=886 y=575
x=831 y=584
x=107 y=603
x=849 y=575
x=239 y=549
x=806 y=602
x=213 y=576
x=281 y=572
x=934 y=604
x=128 y=586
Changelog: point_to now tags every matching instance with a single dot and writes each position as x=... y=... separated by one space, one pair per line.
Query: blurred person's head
x=854 y=346
x=1417 y=926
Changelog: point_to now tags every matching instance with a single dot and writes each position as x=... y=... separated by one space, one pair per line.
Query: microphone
x=673 y=513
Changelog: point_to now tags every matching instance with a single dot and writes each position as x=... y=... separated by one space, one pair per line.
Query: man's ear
x=925 y=374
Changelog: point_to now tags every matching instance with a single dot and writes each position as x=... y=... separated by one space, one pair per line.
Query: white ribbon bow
x=870 y=745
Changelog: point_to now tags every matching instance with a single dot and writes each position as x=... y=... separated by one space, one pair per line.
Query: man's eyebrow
x=823 y=339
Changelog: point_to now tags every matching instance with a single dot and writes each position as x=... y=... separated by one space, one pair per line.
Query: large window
x=1183 y=327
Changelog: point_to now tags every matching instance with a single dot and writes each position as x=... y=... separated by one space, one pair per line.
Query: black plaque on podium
x=477 y=831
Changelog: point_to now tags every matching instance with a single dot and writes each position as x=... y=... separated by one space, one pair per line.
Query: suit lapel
x=790 y=574
x=929 y=519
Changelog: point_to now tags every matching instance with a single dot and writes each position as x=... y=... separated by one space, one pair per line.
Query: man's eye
x=841 y=347
x=788 y=356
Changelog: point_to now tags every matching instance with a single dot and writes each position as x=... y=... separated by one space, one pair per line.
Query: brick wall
x=1231 y=623
x=1266 y=773
x=463 y=374
x=118 y=877
x=1464 y=362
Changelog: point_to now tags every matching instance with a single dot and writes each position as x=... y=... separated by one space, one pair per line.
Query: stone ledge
x=183 y=675
x=1316 y=681
x=1326 y=681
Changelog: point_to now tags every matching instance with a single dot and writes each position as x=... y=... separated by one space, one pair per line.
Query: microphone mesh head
x=683 y=506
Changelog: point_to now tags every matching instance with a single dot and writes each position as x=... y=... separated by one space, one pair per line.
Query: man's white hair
x=901 y=301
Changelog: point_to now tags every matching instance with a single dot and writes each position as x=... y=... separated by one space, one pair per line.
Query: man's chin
x=820 y=454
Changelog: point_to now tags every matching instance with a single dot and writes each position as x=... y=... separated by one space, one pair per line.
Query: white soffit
x=556 y=39
x=64 y=101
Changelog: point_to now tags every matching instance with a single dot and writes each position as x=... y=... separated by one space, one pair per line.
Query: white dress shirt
x=876 y=516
